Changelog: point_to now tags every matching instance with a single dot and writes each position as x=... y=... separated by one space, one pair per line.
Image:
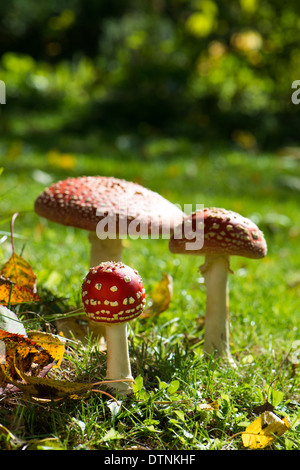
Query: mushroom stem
x=216 y=338
x=118 y=363
x=104 y=250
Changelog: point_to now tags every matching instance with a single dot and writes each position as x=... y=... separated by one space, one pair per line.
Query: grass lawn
x=174 y=380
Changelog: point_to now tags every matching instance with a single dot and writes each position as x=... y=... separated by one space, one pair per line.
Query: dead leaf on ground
x=54 y=344
x=19 y=271
x=17 y=279
x=161 y=296
x=11 y=293
x=80 y=327
x=258 y=410
x=48 y=389
x=34 y=357
x=264 y=430
x=214 y=405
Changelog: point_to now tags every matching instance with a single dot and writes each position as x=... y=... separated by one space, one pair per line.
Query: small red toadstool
x=225 y=234
x=113 y=294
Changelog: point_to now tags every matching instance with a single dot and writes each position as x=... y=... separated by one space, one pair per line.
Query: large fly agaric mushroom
x=224 y=234
x=108 y=208
x=113 y=294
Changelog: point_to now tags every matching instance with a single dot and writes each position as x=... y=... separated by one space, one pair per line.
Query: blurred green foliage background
x=203 y=69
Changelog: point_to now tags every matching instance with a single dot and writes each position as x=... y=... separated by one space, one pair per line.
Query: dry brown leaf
x=54 y=344
x=33 y=356
x=46 y=389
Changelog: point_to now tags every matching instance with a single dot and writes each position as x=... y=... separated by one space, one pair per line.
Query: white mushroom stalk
x=225 y=234
x=104 y=249
x=215 y=272
x=118 y=362
x=113 y=294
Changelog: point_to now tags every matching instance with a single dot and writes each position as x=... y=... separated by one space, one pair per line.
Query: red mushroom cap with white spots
x=83 y=201
x=225 y=232
x=113 y=293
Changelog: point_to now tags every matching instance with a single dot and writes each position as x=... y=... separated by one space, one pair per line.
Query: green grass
x=166 y=351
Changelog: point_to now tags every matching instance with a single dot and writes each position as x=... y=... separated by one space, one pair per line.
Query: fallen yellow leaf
x=17 y=279
x=54 y=344
x=161 y=296
x=12 y=294
x=19 y=271
x=264 y=430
